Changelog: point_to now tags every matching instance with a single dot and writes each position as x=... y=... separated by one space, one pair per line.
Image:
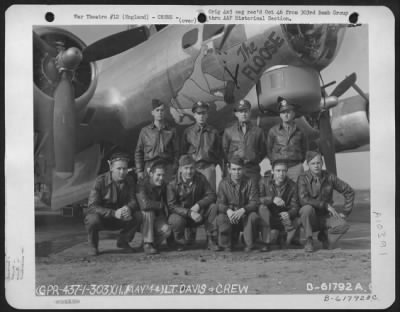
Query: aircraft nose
x=316 y=44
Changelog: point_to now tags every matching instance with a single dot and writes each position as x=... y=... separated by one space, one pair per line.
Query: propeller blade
x=115 y=44
x=64 y=126
x=43 y=46
x=364 y=96
x=326 y=143
x=360 y=92
x=226 y=35
x=344 y=85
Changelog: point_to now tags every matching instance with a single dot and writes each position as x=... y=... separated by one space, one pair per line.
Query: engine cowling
x=350 y=124
x=45 y=77
x=299 y=85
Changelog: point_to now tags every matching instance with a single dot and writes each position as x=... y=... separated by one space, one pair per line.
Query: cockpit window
x=316 y=44
x=212 y=30
x=190 y=38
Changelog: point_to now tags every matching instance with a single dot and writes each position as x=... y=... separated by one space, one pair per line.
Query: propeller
x=115 y=44
x=227 y=32
x=344 y=85
x=64 y=121
x=61 y=68
x=363 y=95
x=326 y=141
x=43 y=46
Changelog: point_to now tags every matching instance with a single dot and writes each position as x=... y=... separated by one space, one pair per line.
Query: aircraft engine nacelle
x=299 y=85
x=56 y=124
x=45 y=76
x=350 y=124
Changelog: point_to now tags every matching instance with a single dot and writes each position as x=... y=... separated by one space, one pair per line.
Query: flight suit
x=182 y=196
x=235 y=196
x=250 y=146
x=153 y=204
x=155 y=144
x=204 y=144
x=106 y=197
x=289 y=145
x=270 y=216
x=314 y=196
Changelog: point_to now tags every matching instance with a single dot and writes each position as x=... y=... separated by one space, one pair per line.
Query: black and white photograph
x=225 y=156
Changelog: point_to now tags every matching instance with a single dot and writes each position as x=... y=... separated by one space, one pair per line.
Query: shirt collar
x=231 y=182
x=180 y=179
x=164 y=126
x=198 y=128
x=312 y=177
x=248 y=125
x=282 y=185
x=291 y=127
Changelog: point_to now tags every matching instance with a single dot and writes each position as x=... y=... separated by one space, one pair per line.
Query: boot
x=309 y=246
x=180 y=244
x=249 y=248
x=324 y=240
x=149 y=249
x=123 y=244
x=282 y=240
x=265 y=248
x=212 y=245
x=190 y=235
x=93 y=244
x=171 y=242
x=93 y=251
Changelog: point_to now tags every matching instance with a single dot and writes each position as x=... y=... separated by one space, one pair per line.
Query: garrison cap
x=186 y=160
x=284 y=105
x=310 y=155
x=119 y=156
x=242 y=105
x=200 y=104
x=156 y=103
x=236 y=160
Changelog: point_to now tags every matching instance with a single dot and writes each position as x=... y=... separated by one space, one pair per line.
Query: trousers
x=311 y=222
x=179 y=223
x=95 y=223
x=228 y=234
x=155 y=229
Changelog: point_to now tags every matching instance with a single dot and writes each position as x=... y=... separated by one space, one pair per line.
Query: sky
x=353 y=168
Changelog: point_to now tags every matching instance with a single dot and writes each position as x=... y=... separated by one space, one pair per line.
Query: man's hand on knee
x=123 y=213
x=333 y=211
x=196 y=217
x=237 y=215
x=195 y=208
x=230 y=214
x=279 y=201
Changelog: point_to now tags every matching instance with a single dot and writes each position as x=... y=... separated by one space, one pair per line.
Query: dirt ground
x=290 y=271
